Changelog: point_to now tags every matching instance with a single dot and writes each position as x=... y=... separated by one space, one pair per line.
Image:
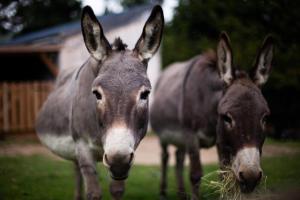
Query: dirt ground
x=148 y=153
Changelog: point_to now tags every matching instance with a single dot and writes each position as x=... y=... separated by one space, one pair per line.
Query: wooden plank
x=12 y=106
x=29 y=124
x=20 y=104
x=32 y=96
x=25 y=106
x=36 y=99
x=5 y=101
x=22 y=109
x=1 y=109
x=41 y=95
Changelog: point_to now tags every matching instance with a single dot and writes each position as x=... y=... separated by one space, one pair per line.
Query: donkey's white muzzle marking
x=247 y=159
x=118 y=145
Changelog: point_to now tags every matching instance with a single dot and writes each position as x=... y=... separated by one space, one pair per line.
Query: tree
x=196 y=27
x=198 y=23
x=130 y=3
x=22 y=16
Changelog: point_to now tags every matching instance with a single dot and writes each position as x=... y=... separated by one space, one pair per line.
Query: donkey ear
x=93 y=36
x=150 y=39
x=224 y=59
x=262 y=67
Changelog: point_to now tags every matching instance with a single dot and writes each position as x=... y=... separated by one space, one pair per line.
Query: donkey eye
x=97 y=94
x=227 y=119
x=264 y=120
x=144 y=95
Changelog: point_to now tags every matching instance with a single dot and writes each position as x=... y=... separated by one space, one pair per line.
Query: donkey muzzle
x=119 y=152
x=246 y=167
x=249 y=177
x=118 y=165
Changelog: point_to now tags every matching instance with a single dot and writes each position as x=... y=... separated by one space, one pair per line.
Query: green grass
x=38 y=177
x=286 y=143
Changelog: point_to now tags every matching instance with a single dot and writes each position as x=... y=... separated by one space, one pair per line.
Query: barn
x=32 y=62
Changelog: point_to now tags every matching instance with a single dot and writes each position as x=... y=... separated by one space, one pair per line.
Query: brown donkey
x=206 y=101
x=100 y=110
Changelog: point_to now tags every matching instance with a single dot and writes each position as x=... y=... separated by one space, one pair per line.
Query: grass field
x=38 y=177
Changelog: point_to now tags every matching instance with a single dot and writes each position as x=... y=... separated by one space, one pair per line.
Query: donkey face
x=121 y=88
x=242 y=114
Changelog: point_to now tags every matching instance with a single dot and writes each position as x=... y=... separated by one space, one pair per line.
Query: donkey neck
x=202 y=91
x=83 y=107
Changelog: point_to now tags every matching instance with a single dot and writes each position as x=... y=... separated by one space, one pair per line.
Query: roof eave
x=29 y=49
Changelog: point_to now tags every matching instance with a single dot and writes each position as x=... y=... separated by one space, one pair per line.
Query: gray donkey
x=100 y=110
x=206 y=101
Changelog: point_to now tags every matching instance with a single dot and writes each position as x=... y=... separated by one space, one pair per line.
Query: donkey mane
x=210 y=57
x=241 y=74
x=119 y=45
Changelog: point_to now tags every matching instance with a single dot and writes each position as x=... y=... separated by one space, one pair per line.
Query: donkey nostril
x=131 y=158
x=246 y=176
x=259 y=175
x=241 y=175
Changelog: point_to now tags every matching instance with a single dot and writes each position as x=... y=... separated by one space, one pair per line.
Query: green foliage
x=130 y=3
x=198 y=23
x=294 y=144
x=17 y=17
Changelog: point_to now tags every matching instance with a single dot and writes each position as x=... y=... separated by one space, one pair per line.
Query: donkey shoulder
x=54 y=115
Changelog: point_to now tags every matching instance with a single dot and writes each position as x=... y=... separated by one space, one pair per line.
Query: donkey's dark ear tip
x=269 y=40
x=87 y=9
x=157 y=9
x=157 y=13
x=224 y=36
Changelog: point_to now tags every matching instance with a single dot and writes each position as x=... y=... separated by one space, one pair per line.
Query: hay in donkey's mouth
x=227 y=185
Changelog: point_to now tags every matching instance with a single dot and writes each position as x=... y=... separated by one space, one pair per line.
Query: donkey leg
x=195 y=168
x=78 y=184
x=195 y=174
x=117 y=189
x=87 y=167
x=180 y=153
x=164 y=166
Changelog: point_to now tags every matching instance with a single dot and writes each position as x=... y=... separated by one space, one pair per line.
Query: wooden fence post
x=20 y=104
x=5 y=107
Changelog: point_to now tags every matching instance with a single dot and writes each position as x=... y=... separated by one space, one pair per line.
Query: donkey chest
x=65 y=147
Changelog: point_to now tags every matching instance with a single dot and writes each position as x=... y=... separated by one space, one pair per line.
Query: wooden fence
x=20 y=103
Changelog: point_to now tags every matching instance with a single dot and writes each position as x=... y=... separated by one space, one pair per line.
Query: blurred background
x=40 y=37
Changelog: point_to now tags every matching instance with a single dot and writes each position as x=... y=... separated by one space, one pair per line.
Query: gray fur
x=99 y=103
x=205 y=101
x=171 y=110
